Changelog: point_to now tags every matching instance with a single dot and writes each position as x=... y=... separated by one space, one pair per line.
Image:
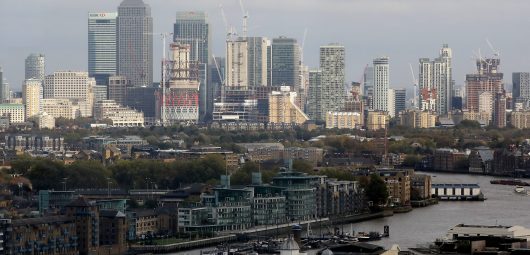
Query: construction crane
x=415 y=83
x=245 y=19
x=229 y=29
x=164 y=76
x=496 y=52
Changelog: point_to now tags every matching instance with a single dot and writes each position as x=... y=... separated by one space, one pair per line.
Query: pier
x=456 y=192
x=258 y=232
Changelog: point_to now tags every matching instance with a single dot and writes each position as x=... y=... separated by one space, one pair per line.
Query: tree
x=376 y=191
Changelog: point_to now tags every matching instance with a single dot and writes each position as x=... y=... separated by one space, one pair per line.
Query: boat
x=520 y=190
x=510 y=182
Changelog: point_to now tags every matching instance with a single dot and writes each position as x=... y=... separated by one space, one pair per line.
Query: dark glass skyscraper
x=285 y=61
x=193 y=28
x=135 y=42
x=102 y=46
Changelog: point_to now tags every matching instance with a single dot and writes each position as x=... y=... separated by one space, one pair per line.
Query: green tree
x=376 y=191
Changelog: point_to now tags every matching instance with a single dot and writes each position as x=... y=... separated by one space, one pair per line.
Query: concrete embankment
x=255 y=232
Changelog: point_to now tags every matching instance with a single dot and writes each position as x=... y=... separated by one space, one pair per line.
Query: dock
x=457 y=192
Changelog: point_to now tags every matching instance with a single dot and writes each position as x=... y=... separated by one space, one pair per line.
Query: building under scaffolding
x=237 y=104
x=181 y=104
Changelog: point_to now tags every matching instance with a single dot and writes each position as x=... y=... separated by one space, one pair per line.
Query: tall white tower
x=381 y=83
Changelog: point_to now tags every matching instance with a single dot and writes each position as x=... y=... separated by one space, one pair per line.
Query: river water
x=423 y=225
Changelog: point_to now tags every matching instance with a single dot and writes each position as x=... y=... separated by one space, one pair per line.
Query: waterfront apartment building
x=119 y=116
x=15 y=112
x=300 y=191
x=102 y=46
x=134 y=26
x=55 y=234
x=31 y=96
x=381 y=84
x=232 y=208
x=436 y=82
x=398 y=183
x=347 y=120
x=377 y=120
x=193 y=28
x=448 y=160
x=339 y=198
x=417 y=119
x=35 y=67
x=268 y=205
x=283 y=108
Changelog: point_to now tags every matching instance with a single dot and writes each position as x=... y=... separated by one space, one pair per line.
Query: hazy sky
x=404 y=30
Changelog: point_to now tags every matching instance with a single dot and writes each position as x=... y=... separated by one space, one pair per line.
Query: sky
x=403 y=30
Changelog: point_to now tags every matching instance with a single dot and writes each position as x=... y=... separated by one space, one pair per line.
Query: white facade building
x=436 y=82
x=381 y=84
x=462 y=230
x=31 y=96
x=74 y=86
x=59 y=108
x=332 y=65
x=392 y=103
x=15 y=112
x=45 y=120
x=237 y=63
x=119 y=116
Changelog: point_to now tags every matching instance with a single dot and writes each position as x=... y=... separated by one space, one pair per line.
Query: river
x=423 y=225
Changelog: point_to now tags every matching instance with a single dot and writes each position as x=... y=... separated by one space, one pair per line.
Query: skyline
x=367 y=40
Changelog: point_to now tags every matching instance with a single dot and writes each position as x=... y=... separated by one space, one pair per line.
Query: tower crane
x=415 y=83
x=245 y=19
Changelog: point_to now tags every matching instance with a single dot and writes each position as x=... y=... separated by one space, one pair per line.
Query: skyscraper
x=368 y=86
x=4 y=87
x=31 y=96
x=285 y=62
x=34 y=67
x=314 y=96
x=135 y=42
x=257 y=61
x=436 y=82
x=499 y=111
x=332 y=64
x=521 y=87
x=381 y=84
x=400 y=99
x=392 y=103
x=237 y=63
x=487 y=79
x=193 y=28
x=102 y=46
